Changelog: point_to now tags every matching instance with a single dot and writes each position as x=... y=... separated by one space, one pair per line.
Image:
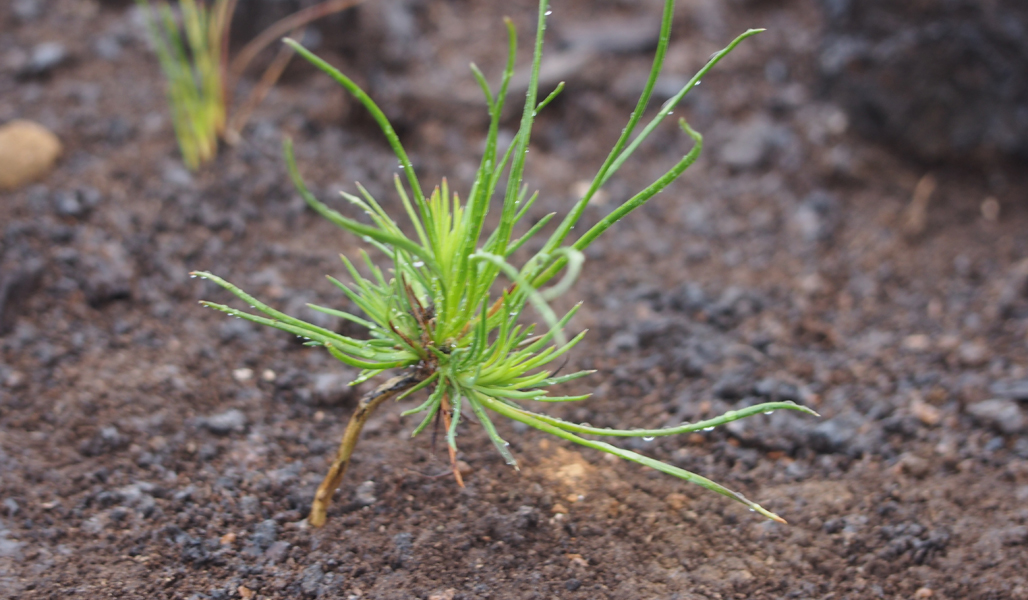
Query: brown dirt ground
x=792 y=277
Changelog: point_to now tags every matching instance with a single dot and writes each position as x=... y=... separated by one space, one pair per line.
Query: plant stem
x=277 y=30
x=368 y=403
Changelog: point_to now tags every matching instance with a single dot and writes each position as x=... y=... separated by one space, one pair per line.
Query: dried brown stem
x=368 y=403
x=279 y=29
x=444 y=409
x=268 y=79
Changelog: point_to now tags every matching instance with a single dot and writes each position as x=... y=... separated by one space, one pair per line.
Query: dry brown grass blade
x=239 y=119
x=280 y=29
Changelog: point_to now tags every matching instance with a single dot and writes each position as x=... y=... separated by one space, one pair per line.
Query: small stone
x=311 y=579
x=17 y=285
x=67 y=205
x=106 y=269
x=107 y=47
x=226 y=422
x=917 y=342
x=926 y=413
x=264 y=535
x=44 y=58
x=749 y=145
x=177 y=176
x=923 y=593
x=973 y=354
x=243 y=374
x=836 y=434
x=331 y=387
x=464 y=468
x=1013 y=390
x=27 y=10
x=236 y=329
x=277 y=551
x=364 y=495
x=913 y=465
x=1004 y=415
x=27 y=152
x=816 y=219
x=677 y=501
x=624 y=341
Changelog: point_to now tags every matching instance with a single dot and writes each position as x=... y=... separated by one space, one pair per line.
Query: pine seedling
x=449 y=315
x=193 y=58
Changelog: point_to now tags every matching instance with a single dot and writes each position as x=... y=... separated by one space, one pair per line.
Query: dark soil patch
x=152 y=449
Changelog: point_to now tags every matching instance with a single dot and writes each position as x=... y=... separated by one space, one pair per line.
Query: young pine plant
x=194 y=59
x=192 y=62
x=448 y=314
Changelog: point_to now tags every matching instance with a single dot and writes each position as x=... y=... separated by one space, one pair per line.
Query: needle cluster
x=449 y=312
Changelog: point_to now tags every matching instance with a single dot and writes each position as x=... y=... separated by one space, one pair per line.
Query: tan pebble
x=444 y=595
x=913 y=465
x=246 y=593
x=917 y=342
x=228 y=539
x=923 y=593
x=27 y=152
x=926 y=413
x=243 y=374
x=464 y=468
x=559 y=509
x=677 y=501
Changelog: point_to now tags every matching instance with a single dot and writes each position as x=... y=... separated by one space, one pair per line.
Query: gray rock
x=44 y=58
x=817 y=217
x=237 y=329
x=66 y=204
x=836 y=434
x=943 y=79
x=277 y=551
x=177 y=176
x=403 y=545
x=107 y=47
x=973 y=354
x=104 y=271
x=623 y=341
x=749 y=145
x=223 y=423
x=310 y=580
x=27 y=10
x=16 y=286
x=332 y=387
x=1004 y=415
x=9 y=547
x=1012 y=390
x=264 y=535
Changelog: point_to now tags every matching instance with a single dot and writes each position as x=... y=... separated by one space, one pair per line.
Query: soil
x=150 y=448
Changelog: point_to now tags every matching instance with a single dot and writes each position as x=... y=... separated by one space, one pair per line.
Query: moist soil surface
x=151 y=448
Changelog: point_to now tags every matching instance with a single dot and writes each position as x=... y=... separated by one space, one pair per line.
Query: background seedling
x=449 y=312
x=193 y=54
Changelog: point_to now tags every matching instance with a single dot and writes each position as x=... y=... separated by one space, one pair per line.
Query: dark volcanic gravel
x=150 y=448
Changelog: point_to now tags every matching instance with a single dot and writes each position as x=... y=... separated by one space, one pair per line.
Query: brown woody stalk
x=368 y=403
